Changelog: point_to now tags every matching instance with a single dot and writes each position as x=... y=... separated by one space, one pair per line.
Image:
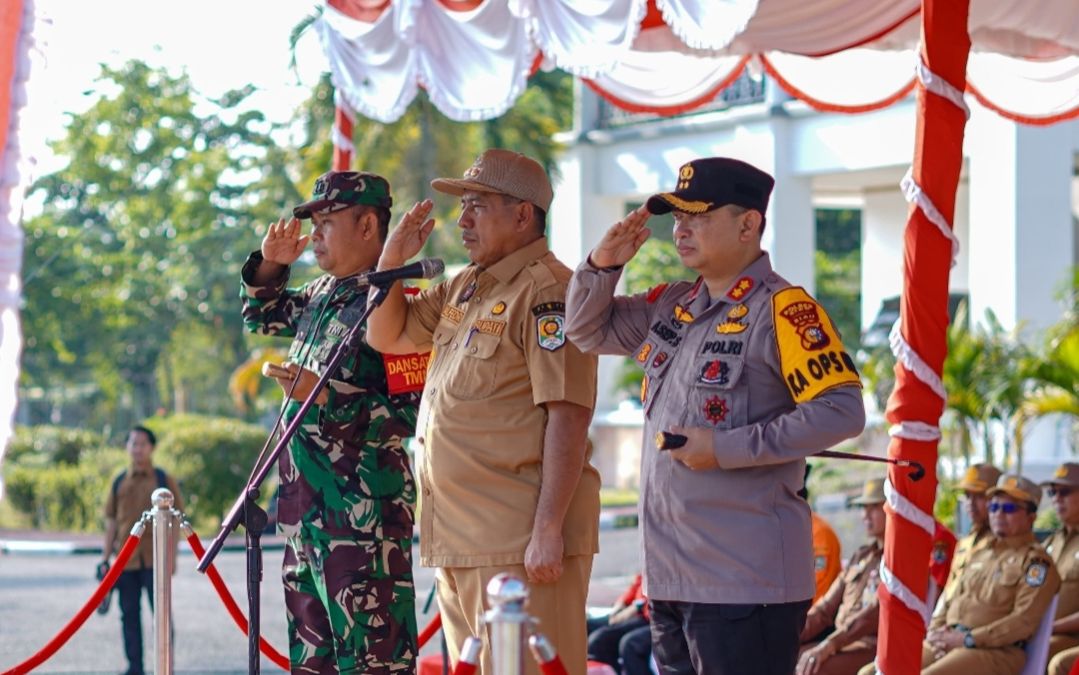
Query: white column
x=1021 y=234
x=790 y=235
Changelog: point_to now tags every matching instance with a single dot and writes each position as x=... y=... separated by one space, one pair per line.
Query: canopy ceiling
x=667 y=56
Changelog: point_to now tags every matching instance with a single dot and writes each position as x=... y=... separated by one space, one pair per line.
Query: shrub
x=51 y=445
x=63 y=496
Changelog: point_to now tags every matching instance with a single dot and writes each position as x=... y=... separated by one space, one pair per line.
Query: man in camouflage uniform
x=347 y=494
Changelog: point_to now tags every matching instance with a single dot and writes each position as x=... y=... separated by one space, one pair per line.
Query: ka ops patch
x=811 y=355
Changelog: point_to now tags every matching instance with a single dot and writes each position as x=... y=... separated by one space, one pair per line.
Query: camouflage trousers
x=351 y=606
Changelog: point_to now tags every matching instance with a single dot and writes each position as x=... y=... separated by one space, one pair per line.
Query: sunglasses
x=1007 y=508
x=1053 y=491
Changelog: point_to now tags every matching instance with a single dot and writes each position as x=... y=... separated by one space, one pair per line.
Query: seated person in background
x=826 y=549
x=623 y=633
x=850 y=606
x=994 y=606
x=1063 y=548
x=940 y=559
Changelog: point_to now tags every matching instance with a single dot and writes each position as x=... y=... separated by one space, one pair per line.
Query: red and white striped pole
x=920 y=338
x=343 y=121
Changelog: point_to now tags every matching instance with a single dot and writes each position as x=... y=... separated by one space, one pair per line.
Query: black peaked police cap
x=709 y=183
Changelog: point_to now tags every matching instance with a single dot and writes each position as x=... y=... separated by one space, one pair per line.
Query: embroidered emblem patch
x=642 y=355
x=940 y=552
x=498 y=309
x=809 y=372
x=740 y=288
x=682 y=315
x=731 y=327
x=1036 y=574
x=644 y=389
x=739 y=311
x=715 y=372
x=715 y=410
x=660 y=359
x=805 y=318
x=452 y=313
x=549 y=331
x=654 y=293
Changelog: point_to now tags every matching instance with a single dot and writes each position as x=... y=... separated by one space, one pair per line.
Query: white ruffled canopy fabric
x=473 y=57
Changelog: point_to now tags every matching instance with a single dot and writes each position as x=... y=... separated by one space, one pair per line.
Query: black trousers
x=129 y=586
x=605 y=643
x=720 y=639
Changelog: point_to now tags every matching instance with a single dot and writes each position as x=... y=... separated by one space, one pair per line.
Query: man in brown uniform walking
x=850 y=607
x=506 y=483
x=1063 y=548
x=748 y=375
x=994 y=607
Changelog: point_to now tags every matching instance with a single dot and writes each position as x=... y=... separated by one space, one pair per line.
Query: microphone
x=421 y=269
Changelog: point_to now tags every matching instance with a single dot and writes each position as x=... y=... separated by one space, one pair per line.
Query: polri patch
x=1036 y=574
x=549 y=308
x=809 y=370
x=549 y=331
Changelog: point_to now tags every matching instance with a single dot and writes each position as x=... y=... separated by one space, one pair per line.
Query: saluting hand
x=623 y=240
x=408 y=237
x=283 y=243
x=697 y=454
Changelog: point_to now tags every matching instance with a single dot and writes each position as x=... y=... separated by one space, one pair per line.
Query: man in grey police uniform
x=749 y=376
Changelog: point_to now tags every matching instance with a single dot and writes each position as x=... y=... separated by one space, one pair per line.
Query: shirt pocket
x=717 y=397
x=1001 y=589
x=475 y=374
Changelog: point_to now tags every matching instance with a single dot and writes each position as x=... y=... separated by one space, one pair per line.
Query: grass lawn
x=617 y=497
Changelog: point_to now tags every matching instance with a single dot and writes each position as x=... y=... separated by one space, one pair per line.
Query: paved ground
x=40 y=592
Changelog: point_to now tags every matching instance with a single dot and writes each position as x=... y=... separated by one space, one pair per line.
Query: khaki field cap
x=872 y=493
x=1017 y=487
x=505 y=172
x=979 y=478
x=1066 y=474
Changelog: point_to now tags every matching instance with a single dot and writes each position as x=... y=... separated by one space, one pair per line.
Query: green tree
x=131 y=268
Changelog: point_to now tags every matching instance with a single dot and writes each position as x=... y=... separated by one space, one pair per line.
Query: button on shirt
x=740 y=533
x=1063 y=547
x=1002 y=593
x=127 y=505
x=498 y=354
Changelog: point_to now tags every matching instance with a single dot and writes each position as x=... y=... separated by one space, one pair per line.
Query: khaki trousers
x=559 y=607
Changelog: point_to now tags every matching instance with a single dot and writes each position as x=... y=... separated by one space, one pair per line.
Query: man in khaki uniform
x=850 y=607
x=129 y=497
x=976 y=481
x=995 y=605
x=1063 y=548
x=744 y=377
x=506 y=483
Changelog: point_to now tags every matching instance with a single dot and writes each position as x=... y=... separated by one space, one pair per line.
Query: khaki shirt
x=851 y=603
x=498 y=354
x=132 y=498
x=963 y=549
x=1002 y=593
x=1063 y=547
x=740 y=533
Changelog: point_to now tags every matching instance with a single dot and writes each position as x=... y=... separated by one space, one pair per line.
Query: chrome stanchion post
x=165 y=528
x=507 y=618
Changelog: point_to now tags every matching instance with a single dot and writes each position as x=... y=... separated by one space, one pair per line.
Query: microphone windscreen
x=432 y=267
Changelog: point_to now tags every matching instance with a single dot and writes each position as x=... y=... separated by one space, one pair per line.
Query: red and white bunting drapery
x=15 y=41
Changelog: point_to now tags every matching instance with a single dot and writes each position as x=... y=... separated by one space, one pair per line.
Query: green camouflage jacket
x=346 y=473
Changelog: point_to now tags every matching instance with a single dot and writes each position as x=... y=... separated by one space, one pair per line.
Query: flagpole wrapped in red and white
x=920 y=338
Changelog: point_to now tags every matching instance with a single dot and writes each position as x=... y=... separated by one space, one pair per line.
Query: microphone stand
x=246 y=508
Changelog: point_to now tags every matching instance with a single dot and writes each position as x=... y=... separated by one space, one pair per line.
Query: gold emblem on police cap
x=1061 y=472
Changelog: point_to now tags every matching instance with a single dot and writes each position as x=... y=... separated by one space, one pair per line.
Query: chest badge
x=737 y=312
x=467 y=292
x=715 y=372
x=642 y=355
x=715 y=409
x=498 y=309
x=682 y=315
x=660 y=359
x=644 y=389
x=731 y=327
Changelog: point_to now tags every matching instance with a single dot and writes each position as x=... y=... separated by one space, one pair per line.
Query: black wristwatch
x=968 y=641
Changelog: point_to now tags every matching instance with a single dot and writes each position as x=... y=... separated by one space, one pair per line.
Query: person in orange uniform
x=1004 y=588
x=506 y=482
x=850 y=608
x=1063 y=547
